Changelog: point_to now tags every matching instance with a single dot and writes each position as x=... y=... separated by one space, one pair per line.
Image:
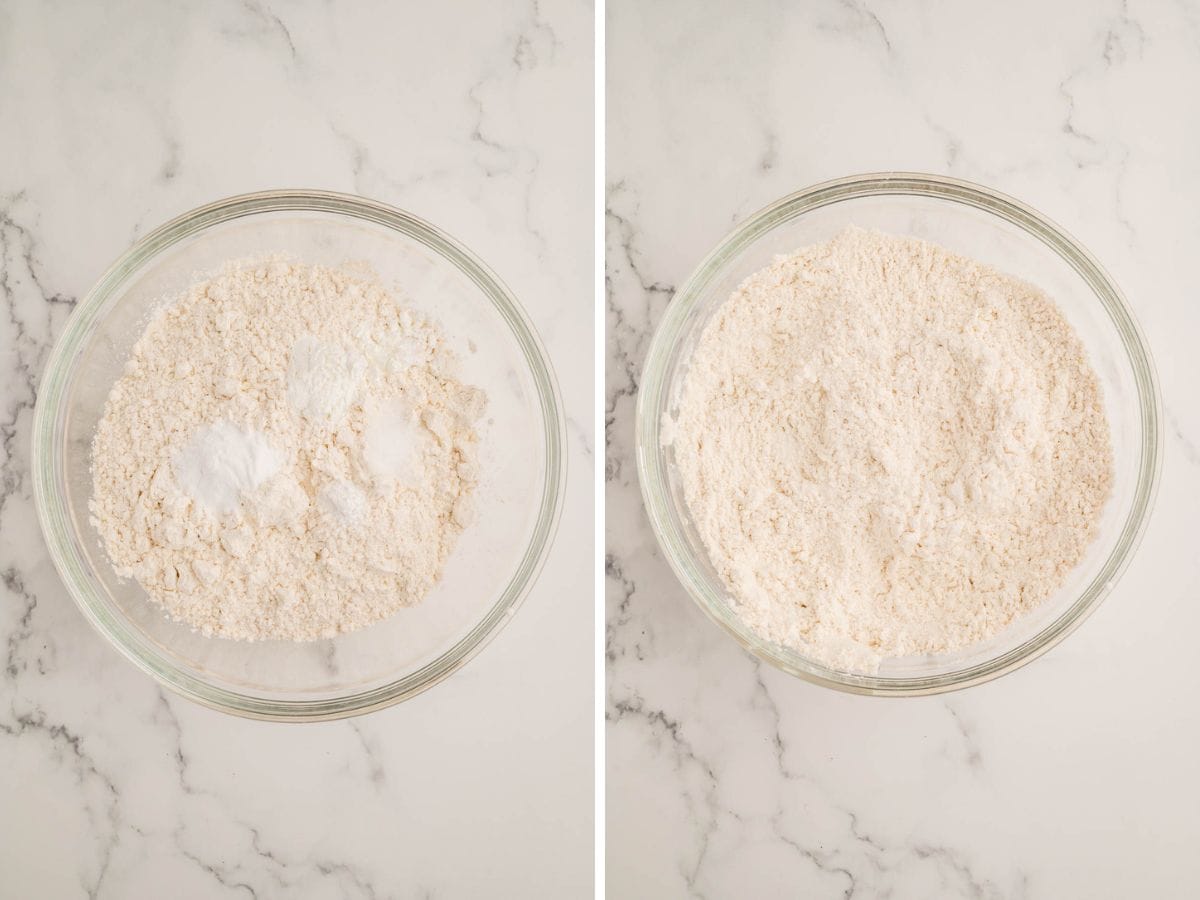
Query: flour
x=235 y=473
x=889 y=450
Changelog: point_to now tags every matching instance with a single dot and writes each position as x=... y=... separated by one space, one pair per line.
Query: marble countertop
x=119 y=116
x=1073 y=777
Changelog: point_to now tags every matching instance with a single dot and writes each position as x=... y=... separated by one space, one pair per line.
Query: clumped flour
x=287 y=454
x=889 y=449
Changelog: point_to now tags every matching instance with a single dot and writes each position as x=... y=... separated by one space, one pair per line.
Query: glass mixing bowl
x=975 y=222
x=522 y=461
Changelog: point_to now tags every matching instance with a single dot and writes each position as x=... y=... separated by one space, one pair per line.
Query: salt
x=391 y=441
x=323 y=378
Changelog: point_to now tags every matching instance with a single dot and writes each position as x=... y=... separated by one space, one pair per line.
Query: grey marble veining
x=118 y=116
x=1068 y=778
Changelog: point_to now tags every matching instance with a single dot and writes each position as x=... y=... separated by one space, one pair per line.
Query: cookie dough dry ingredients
x=287 y=454
x=888 y=449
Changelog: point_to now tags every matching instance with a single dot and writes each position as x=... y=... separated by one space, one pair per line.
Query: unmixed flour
x=889 y=449
x=287 y=454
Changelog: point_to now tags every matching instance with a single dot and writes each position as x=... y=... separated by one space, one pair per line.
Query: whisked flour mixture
x=889 y=449
x=287 y=454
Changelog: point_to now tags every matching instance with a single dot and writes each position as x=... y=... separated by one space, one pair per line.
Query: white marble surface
x=1074 y=777
x=116 y=116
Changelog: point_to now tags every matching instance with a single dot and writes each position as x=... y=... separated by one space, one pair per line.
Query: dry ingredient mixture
x=287 y=454
x=889 y=449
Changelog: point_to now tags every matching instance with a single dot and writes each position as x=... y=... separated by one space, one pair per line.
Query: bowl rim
x=651 y=464
x=48 y=457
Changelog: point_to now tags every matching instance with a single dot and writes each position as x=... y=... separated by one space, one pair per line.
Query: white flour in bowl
x=287 y=455
x=888 y=449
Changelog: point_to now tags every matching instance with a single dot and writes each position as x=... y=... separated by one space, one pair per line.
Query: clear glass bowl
x=976 y=222
x=522 y=457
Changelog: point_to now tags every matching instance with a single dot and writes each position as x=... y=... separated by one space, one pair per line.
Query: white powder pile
x=889 y=449
x=287 y=455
